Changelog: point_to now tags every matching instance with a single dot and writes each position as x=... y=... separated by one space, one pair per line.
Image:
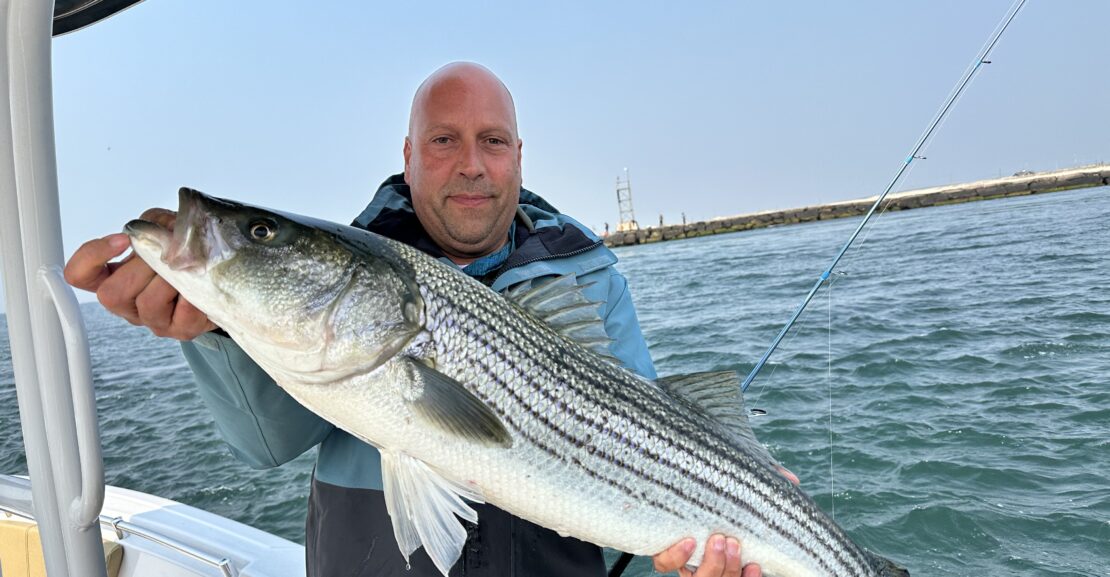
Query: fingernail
x=688 y=545
x=733 y=547
x=718 y=543
x=118 y=241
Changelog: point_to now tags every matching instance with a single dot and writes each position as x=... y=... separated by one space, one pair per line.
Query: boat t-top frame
x=50 y=353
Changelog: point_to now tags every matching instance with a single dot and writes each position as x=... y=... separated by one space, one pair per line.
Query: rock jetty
x=1020 y=184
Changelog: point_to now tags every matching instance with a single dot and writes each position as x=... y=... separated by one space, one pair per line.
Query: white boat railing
x=62 y=444
x=124 y=529
x=180 y=540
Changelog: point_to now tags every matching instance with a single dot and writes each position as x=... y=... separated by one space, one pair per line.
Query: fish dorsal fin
x=718 y=394
x=447 y=405
x=424 y=508
x=560 y=304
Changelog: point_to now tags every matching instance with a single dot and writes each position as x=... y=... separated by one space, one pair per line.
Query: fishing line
x=803 y=321
x=973 y=69
x=802 y=324
x=828 y=381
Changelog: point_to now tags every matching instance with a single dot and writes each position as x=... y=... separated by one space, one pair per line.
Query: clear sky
x=716 y=108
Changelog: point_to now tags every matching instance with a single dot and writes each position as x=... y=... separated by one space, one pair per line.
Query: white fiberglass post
x=19 y=332
x=30 y=232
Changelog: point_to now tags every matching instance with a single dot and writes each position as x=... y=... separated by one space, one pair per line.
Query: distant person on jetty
x=460 y=199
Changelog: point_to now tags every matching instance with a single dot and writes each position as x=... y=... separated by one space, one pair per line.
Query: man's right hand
x=130 y=288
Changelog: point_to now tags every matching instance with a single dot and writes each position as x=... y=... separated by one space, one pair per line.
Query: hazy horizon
x=716 y=109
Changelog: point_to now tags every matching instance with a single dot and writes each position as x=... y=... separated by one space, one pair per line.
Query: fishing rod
x=980 y=60
x=622 y=562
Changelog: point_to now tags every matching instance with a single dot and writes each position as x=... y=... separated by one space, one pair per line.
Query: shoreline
x=1017 y=185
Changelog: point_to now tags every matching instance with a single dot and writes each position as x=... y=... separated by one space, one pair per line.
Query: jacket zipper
x=547 y=257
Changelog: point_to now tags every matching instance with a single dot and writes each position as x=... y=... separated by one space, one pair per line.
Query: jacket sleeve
x=623 y=327
x=263 y=425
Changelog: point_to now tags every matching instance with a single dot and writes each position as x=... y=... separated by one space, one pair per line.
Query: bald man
x=460 y=199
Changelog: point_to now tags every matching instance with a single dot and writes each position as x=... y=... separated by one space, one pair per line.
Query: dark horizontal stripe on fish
x=674 y=490
x=497 y=353
x=524 y=431
x=800 y=514
x=818 y=526
x=826 y=531
x=801 y=522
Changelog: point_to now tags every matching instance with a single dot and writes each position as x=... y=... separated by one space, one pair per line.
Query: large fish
x=475 y=396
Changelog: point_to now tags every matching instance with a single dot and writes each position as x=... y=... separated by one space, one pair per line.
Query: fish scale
x=608 y=449
x=472 y=395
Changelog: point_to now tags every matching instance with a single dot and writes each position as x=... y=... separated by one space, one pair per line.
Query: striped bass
x=473 y=396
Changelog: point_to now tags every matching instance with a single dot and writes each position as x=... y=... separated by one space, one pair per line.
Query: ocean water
x=947 y=399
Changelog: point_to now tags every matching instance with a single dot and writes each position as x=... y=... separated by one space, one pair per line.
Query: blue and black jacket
x=348 y=532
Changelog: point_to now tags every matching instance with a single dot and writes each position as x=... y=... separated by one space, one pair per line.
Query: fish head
x=283 y=286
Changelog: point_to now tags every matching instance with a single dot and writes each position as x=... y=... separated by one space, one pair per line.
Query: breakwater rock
x=1020 y=184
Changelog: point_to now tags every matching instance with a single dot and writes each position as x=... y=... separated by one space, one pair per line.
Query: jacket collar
x=541 y=232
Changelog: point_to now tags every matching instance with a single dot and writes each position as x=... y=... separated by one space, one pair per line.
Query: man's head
x=462 y=160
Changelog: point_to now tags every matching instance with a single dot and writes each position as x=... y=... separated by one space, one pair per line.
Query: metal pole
x=32 y=242
x=19 y=331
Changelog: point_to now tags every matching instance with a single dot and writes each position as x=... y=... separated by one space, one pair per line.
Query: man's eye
x=441 y=140
x=495 y=141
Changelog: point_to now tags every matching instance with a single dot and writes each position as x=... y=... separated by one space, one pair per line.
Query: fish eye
x=263 y=230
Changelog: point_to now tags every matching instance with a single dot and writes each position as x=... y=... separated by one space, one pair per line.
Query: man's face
x=462 y=163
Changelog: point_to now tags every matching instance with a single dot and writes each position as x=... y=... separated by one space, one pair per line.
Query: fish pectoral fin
x=424 y=508
x=448 y=406
x=718 y=395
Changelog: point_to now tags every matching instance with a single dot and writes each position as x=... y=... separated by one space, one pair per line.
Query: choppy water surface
x=964 y=351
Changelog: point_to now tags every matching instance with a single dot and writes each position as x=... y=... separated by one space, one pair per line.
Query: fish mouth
x=193 y=244
x=147 y=233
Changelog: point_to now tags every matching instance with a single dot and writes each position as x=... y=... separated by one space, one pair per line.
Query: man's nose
x=471 y=165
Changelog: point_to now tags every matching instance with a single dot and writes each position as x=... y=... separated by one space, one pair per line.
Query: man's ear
x=408 y=154
x=519 y=152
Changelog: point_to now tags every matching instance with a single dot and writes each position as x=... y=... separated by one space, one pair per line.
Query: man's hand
x=721 y=559
x=130 y=288
x=722 y=555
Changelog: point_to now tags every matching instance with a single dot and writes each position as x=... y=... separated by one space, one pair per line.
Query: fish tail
x=885 y=567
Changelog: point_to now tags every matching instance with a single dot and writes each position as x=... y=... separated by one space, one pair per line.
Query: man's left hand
x=721 y=559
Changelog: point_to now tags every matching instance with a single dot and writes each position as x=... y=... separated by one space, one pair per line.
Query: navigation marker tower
x=624 y=205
